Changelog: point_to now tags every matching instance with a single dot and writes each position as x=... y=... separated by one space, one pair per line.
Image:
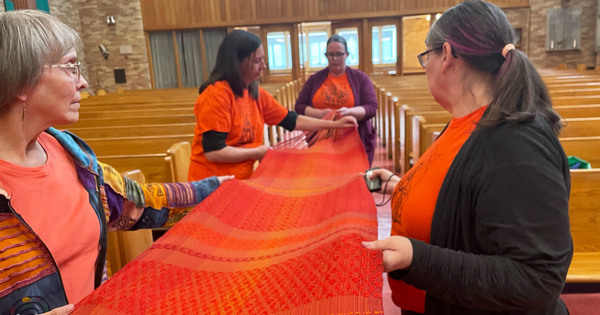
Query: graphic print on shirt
x=333 y=96
x=247 y=135
x=400 y=195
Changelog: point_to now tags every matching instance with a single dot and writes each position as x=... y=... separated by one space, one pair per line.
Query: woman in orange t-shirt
x=57 y=201
x=347 y=91
x=232 y=110
x=480 y=222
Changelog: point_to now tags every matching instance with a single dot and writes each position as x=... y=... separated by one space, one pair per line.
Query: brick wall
x=519 y=18
x=537 y=36
x=89 y=19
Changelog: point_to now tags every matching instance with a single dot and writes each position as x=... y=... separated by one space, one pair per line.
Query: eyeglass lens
x=334 y=54
x=75 y=69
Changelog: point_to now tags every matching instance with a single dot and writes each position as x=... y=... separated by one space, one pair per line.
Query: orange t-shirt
x=415 y=197
x=242 y=118
x=334 y=93
x=55 y=205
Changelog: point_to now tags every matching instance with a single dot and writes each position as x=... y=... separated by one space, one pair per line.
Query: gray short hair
x=30 y=40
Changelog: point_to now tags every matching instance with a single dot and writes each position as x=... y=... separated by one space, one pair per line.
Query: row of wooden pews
x=409 y=120
x=136 y=129
x=146 y=134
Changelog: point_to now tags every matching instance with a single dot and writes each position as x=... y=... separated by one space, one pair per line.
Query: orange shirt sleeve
x=272 y=112
x=213 y=108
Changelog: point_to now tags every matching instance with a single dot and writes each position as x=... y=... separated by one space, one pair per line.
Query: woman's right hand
x=63 y=310
x=385 y=176
x=346 y=122
x=260 y=152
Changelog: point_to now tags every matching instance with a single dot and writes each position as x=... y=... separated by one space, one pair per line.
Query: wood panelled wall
x=185 y=14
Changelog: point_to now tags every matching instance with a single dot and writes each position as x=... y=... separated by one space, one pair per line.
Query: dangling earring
x=23 y=116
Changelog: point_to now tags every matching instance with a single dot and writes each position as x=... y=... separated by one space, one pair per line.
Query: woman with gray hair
x=56 y=200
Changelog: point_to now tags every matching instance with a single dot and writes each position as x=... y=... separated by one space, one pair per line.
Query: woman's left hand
x=357 y=112
x=225 y=178
x=345 y=111
x=397 y=252
x=345 y=122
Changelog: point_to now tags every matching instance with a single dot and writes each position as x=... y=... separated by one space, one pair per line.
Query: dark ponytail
x=519 y=94
x=478 y=31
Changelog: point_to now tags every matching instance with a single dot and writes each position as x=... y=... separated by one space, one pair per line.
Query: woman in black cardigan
x=495 y=238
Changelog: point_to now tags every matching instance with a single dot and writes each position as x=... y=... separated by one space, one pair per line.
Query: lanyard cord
x=383 y=201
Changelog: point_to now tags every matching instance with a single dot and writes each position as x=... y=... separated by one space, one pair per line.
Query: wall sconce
x=110 y=20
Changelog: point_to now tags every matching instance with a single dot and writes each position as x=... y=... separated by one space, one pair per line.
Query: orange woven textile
x=286 y=241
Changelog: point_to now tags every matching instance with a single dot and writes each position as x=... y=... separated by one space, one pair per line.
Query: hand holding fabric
x=260 y=152
x=225 y=178
x=345 y=122
x=397 y=252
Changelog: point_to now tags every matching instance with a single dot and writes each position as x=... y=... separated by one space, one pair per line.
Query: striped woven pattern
x=286 y=241
x=24 y=259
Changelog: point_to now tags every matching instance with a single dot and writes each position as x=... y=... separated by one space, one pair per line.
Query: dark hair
x=478 y=31
x=234 y=48
x=338 y=39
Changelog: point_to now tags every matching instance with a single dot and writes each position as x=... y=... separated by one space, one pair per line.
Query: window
x=279 y=51
x=384 y=45
x=351 y=36
x=317 y=46
x=313 y=45
x=313 y=48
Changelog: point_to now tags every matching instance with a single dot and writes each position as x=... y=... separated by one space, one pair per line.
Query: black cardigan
x=500 y=237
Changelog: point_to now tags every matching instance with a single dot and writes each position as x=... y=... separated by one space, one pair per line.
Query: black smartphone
x=373 y=184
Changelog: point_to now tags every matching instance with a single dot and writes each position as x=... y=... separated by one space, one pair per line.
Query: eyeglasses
x=74 y=68
x=424 y=56
x=332 y=55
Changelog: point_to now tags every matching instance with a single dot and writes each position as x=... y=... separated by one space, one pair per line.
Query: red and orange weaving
x=286 y=241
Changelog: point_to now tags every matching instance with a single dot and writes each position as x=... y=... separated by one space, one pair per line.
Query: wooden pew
x=179 y=159
x=584 y=213
x=118 y=107
x=586 y=148
x=124 y=246
x=581 y=127
x=155 y=167
x=132 y=121
x=133 y=131
x=135 y=145
x=581 y=137
x=140 y=113
x=578 y=111
x=575 y=100
x=569 y=109
x=423 y=135
x=164 y=167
